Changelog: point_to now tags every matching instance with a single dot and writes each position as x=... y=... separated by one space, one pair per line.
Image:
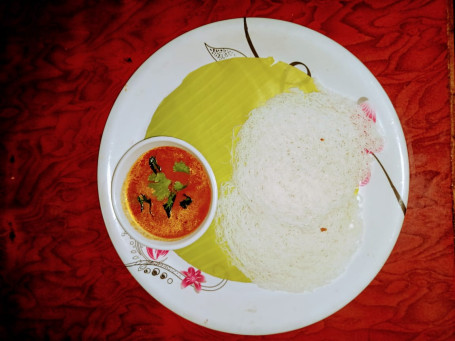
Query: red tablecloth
x=64 y=64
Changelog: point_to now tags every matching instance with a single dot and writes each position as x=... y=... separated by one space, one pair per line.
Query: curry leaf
x=143 y=198
x=185 y=202
x=170 y=202
x=154 y=165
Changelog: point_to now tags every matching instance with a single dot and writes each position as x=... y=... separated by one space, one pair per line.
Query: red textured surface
x=63 y=65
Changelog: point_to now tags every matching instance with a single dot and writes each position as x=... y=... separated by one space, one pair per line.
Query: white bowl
x=121 y=172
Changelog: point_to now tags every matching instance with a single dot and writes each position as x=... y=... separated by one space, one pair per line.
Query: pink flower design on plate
x=369 y=112
x=155 y=253
x=366 y=180
x=193 y=277
x=367 y=109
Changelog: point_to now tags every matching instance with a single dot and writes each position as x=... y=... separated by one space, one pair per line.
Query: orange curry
x=168 y=193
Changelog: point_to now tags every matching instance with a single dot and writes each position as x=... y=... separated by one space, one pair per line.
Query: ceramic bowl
x=118 y=199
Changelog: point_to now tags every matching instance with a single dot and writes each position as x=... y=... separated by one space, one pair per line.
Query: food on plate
x=218 y=96
x=203 y=110
x=167 y=193
x=289 y=217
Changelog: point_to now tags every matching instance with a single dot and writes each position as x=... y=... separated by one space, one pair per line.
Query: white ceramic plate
x=236 y=307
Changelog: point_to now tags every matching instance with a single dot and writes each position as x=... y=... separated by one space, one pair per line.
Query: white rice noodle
x=289 y=217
